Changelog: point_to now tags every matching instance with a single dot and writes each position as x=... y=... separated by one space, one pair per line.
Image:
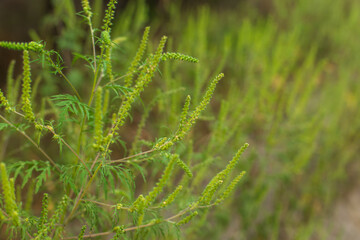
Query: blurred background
x=291 y=90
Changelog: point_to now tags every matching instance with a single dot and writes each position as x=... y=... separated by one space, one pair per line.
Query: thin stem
x=91 y=235
x=98 y=203
x=103 y=204
x=90 y=100
x=132 y=156
x=135 y=227
x=72 y=150
x=95 y=81
x=82 y=190
x=93 y=44
x=97 y=84
x=63 y=75
x=62 y=140
x=81 y=194
x=128 y=161
x=121 y=77
x=94 y=162
x=32 y=141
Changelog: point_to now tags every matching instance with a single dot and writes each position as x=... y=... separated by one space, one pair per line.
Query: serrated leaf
x=28 y=175
x=18 y=169
x=69 y=103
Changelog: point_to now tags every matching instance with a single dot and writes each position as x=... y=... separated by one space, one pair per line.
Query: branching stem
x=33 y=142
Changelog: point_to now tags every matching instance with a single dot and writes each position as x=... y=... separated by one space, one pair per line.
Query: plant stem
x=63 y=75
x=135 y=227
x=32 y=141
x=72 y=150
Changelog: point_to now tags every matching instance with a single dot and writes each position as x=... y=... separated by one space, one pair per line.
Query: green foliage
x=162 y=181
x=78 y=174
x=26 y=168
x=140 y=149
x=70 y=104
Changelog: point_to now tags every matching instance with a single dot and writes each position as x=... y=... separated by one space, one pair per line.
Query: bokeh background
x=291 y=90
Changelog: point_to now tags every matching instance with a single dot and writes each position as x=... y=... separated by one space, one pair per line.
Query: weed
x=86 y=191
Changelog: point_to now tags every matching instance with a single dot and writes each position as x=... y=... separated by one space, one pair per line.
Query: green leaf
x=28 y=175
x=118 y=89
x=42 y=177
x=4 y=126
x=71 y=104
x=88 y=59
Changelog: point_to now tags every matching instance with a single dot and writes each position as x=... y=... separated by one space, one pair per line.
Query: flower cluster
x=187 y=123
x=178 y=56
x=217 y=181
x=30 y=46
x=146 y=76
x=137 y=59
x=109 y=15
x=87 y=9
x=4 y=102
x=9 y=196
x=98 y=128
x=26 y=89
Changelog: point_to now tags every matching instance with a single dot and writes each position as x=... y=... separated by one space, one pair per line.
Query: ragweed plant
x=86 y=190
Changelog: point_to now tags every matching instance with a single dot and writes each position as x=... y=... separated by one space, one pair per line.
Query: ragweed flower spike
x=144 y=79
x=4 y=102
x=136 y=62
x=171 y=197
x=26 y=89
x=9 y=196
x=185 y=126
x=107 y=46
x=139 y=206
x=183 y=165
x=206 y=99
x=44 y=211
x=109 y=15
x=185 y=111
x=217 y=181
x=230 y=188
x=178 y=56
x=162 y=181
x=119 y=230
x=187 y=219
x=98 y=128
x=59 y=213
x=30 y=46
x=87 y=9
x=82 y=232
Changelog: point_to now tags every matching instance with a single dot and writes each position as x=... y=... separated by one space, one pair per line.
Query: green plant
x=292 y=92
x=87 y=192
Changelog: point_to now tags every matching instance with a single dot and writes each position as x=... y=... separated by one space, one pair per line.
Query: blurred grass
x=291 y=91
